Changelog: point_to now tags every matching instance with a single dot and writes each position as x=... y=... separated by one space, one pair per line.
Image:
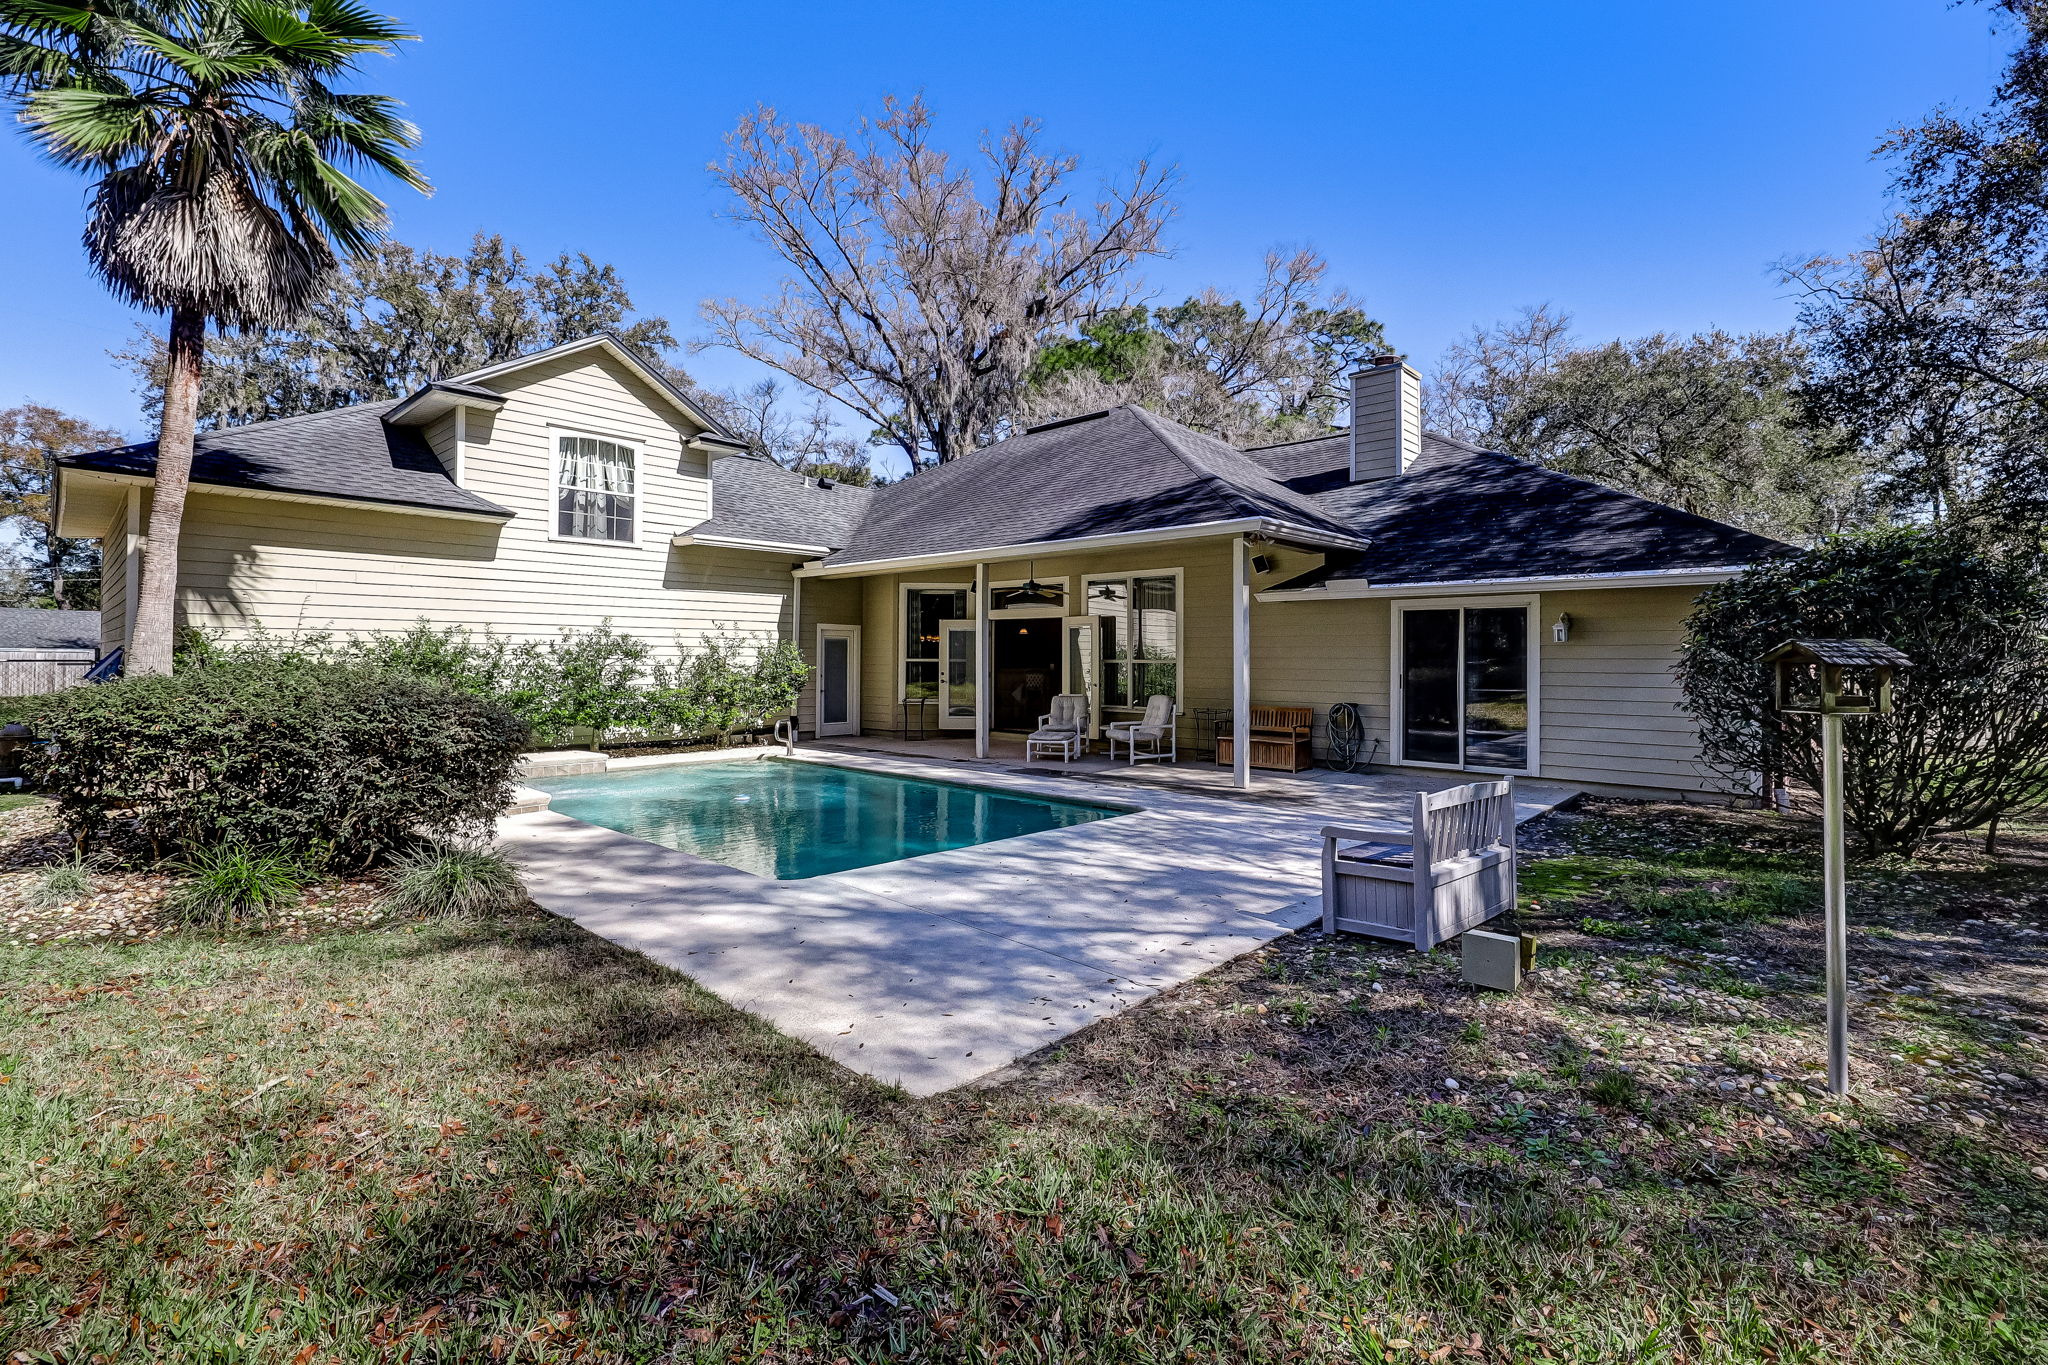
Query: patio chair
x=1156 y=732
x=1457 y=871
x=1062 y=730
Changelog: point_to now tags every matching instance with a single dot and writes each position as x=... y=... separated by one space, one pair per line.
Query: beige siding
x=296 y=566
x=1320 y=653
x=114 y=582
x=1610 y=701
x=833 y=602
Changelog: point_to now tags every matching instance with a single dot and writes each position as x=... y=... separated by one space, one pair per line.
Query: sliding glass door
x=1464 y=677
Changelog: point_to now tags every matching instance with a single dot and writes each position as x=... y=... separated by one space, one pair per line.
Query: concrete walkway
x=932 y=972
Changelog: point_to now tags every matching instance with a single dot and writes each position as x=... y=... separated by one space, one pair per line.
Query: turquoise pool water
x=789 y=819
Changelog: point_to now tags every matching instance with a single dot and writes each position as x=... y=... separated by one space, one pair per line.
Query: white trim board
x=1270 y=527
x=1349 y=589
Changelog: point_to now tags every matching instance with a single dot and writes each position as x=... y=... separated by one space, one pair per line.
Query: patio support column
x=1240 y=663
x=981 y=661
x=796 y=635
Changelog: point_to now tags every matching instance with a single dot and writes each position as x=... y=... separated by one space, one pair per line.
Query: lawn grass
x=507 y=1140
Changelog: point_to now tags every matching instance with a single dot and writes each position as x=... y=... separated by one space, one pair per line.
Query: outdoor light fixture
x=1833 y=679
x=1561 y=629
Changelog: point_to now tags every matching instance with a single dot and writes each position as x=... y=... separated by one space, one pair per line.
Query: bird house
x=1835 y=677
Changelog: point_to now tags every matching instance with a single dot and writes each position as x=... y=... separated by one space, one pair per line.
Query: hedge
x=336 y=764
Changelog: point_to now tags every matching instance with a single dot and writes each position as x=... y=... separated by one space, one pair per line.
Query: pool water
x=788 y=819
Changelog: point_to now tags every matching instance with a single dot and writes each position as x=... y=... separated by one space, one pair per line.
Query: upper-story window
x=594 y=488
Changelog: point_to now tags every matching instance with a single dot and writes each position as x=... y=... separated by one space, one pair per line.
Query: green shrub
x=1967 y=742
x=328 y=763
x=584 y=685
x=453 y=880
x=62 y=883
x=232 y=885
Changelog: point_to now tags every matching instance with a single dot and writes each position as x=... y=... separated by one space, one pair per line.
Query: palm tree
x=223 y=195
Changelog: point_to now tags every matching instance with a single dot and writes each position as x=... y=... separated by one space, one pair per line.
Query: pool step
x=561 y=763
x=526 y=800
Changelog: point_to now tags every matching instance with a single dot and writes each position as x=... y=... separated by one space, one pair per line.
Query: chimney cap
x=1388 y=359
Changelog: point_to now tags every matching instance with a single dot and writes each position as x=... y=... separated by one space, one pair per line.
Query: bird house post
x=1834 y=679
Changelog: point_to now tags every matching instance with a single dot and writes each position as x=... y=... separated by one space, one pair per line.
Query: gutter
x=1351 y=589
x=719 y=542
x=1271 y=528
x=412 y=509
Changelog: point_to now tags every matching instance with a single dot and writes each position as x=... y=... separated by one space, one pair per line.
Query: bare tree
x=1265 y=369
x=1486 y=373
x=919 y=297
x=805 y=442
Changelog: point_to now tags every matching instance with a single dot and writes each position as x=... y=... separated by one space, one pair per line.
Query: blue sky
x=1639 y=165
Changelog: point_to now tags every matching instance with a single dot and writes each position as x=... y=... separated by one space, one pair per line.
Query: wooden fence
x=31 y=672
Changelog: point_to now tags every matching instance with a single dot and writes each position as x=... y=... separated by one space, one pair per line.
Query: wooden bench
x=1457 y=871
x=1280 y=739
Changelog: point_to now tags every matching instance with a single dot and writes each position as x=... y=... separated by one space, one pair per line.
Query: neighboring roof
x=44 y=628
x=1466 y=513
x=753 y=499
x=349 y=453
x=1111 y=473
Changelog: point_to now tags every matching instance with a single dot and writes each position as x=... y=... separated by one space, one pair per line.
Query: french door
x=956 y=675
x=838 y=680
x=1465 y=685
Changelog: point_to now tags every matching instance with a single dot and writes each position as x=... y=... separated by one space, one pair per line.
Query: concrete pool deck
x=933 y=972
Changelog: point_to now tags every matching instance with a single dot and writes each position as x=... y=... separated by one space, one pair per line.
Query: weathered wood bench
x=1457 y=871
x=1280 y=739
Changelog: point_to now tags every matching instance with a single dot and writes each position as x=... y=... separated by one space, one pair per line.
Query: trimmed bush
x=226 y=886
x=331 y=764
x=453 y=880
x=580 y=687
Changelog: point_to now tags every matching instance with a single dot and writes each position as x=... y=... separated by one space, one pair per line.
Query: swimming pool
x=789 y=819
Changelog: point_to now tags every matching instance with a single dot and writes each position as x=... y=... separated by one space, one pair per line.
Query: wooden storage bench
x=1279 y=736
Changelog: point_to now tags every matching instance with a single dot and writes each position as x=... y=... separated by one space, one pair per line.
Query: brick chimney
x=1386 y=419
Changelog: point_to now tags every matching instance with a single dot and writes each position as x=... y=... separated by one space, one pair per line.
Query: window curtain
x=597 y=489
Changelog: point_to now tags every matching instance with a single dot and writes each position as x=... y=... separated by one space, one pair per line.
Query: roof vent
x=826 y=483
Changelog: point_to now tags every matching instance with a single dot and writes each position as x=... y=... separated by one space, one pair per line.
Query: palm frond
x=224 y=155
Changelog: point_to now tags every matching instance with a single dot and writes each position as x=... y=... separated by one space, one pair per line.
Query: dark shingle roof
x=346 y=453
x=43 y=628
x=1467 y=513
x=756 y=499
x=1119 y=471
x=1850 y=653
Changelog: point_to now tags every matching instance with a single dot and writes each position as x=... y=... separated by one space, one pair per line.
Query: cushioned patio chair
x=1154 y=737
x=1457 y=871
x=1062 y=731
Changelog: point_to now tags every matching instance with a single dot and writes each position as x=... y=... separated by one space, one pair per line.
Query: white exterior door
x=838 y=680
x=956 y=675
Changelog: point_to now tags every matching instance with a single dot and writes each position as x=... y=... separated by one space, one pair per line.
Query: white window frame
x=555 y=435
x=1063 y=581
x=853 y=722
x=1397 y=610
x=903 y=591
x=1180 y=626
